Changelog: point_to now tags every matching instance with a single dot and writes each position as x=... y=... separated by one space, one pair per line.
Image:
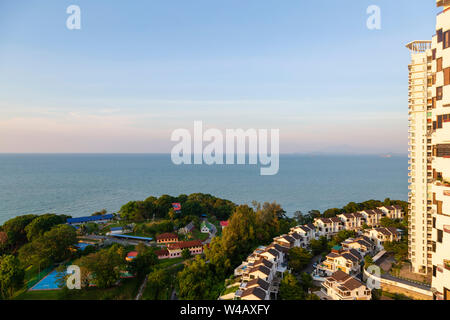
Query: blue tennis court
x=49 y=282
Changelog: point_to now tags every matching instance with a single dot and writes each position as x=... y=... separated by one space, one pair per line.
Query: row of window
x=443 y=37
x=440 y=120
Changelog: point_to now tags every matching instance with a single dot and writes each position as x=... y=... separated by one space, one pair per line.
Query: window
x=446 y=76
x=439 y=209
x=439 y=93
x=446 y=39
x=440 y=235
x=439 y=35
x=434 y=271
x=439 y=64
x=434 y=54
x=439 y=122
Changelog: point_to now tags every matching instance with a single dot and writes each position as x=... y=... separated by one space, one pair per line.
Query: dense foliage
x=247 y=228
x=195 y=204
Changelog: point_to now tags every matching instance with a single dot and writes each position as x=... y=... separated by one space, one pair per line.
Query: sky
x=138 y=70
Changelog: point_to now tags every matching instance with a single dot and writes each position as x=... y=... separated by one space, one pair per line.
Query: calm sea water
x=84 y=183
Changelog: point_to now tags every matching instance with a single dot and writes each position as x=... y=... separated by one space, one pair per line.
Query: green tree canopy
x=11 y=276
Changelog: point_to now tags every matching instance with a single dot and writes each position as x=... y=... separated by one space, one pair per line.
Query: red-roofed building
x=224 y=224
x=175 y=249
x=162 y=254
x=131 y=255
x=167 y=238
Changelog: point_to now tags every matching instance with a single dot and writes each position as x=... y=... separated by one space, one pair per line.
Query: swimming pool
x=49 y=282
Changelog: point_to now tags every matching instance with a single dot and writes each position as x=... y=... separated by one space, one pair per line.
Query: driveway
x=212 y=234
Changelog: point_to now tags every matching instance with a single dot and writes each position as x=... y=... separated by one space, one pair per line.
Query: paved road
x=142 y=288
x=407 y=282
x=309 y=268
x=212 y=234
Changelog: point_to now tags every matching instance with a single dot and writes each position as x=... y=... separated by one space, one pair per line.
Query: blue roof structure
x=125 y=236
x=90 y=219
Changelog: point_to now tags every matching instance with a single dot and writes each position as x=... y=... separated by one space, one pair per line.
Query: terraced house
x=381 y=235
x=341 y=286
x=363 y=245
x=328 y=227
x=348 y=261
x=372 y=217
x=392 y=212
x=352 y=221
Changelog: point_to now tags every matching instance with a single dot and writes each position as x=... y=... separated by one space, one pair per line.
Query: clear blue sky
x=137 y=70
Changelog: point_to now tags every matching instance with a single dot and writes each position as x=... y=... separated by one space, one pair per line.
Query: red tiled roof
x=162 y=253
x=132 y=254
x=185 y=244
x=166 y=236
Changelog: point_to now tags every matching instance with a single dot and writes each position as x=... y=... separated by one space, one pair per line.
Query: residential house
x=328 y=227
x=188 y=228
x=372 y=217
x=393 y=212
x=352 y=221
x=206 y=227
x=381 y=235
x=348 y=261
x=254 y=293
x=364 y=245
x=307 y=231
x=341 y=286
x=286 y=241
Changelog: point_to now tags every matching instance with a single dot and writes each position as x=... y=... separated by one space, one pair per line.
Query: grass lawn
x=230 y=290
x=165 y=263
x=197 y=235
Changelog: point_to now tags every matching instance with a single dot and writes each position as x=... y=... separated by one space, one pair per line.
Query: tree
x=42 y=224
x=368 y=261
x=290 y=288
x=267 y=220
x=15 y=230
x=100 y=213
x=333 y=212
x=306 y=281
x=144 y=262
x=298 y=258
x=319 y=246
x=11 y=276
x=186 y=254
x=157 y=283
x=198 y=282
x=298 y=215
x=103 y=267
x=53 y=246
x=400 y=249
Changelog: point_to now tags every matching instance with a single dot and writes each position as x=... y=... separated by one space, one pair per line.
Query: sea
x=81 y=184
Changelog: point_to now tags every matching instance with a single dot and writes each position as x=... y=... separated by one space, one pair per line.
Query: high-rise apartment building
x=429 y=148
x=420 y=106
x=440 y=137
